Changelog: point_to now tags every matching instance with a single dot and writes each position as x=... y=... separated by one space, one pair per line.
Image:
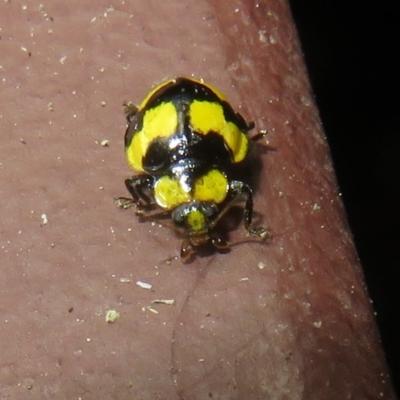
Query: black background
x=351 y=52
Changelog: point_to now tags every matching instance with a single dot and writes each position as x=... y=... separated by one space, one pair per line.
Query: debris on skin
x=104 y=142
x=28 y=383
x=24 y=49
x=112 y=316
x=44 y=219
x=124 y=280
x=169 y=302
x=151 y=309
x=261 y=265
x=104 y=14
x=318 y=324
x=45 y=13
x=316 y=207
x=144 y=285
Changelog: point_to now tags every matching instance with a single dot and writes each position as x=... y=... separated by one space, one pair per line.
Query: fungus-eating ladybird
x=183 y=139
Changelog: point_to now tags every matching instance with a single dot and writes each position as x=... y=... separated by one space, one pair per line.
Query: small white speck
x=316 y=207
x=262 y=37
x=261 y=265
x=144 y=285
x=318 y=324
x=272 y=39
x=112 y=316
x=44 y=219
x=306 y=101
x=151 y=309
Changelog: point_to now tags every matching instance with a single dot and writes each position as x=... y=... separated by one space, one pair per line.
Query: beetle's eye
x=178 y=216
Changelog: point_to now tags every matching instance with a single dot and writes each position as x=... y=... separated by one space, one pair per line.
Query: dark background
x=351 y=51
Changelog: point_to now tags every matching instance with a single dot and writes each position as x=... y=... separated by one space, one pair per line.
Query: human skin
x=289 y=318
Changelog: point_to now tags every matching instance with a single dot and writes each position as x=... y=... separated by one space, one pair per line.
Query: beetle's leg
x=141 y=189
x=152 y=215
x=219 y=243
x=250 y=126
x=188 y=252
x=239 y=191
x=130 y=111
x=259 y=135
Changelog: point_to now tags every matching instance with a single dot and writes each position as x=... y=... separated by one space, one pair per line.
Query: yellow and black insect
x=183 y=139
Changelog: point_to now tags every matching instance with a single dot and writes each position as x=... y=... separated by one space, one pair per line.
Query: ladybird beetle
x=182 y=139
